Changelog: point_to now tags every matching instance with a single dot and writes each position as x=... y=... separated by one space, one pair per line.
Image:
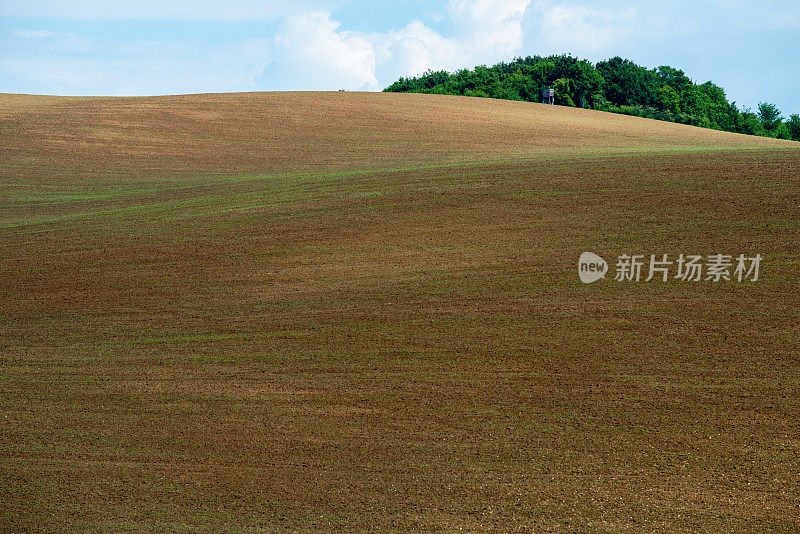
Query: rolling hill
x=345 y=311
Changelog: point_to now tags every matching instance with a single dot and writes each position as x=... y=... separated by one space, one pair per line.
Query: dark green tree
x=675 y=78
x=770 y=115
x=749 y=123
x=794 y=126
x=563 y=92
x=782 y=131
x=616 y=85
x=669 y=99
x=625 y=83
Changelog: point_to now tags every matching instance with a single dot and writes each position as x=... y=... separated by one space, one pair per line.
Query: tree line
x=616 y=85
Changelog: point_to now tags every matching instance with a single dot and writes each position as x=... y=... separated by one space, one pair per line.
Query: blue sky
x=96 y=47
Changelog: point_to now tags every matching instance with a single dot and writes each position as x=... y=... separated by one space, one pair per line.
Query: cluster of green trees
x=617 y=85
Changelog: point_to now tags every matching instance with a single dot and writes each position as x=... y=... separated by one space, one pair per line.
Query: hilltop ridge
x=281 y=132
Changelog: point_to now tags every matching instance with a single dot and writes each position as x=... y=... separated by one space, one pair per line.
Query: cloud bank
x=485 y=31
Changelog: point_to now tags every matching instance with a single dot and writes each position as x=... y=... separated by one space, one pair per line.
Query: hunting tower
x=548 y=95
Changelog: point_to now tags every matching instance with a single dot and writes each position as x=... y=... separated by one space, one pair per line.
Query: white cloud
x=413 y=50
x=311 y=53
x=38 y=34
x=494 y=26
x=579 y=29
x=59 y=42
